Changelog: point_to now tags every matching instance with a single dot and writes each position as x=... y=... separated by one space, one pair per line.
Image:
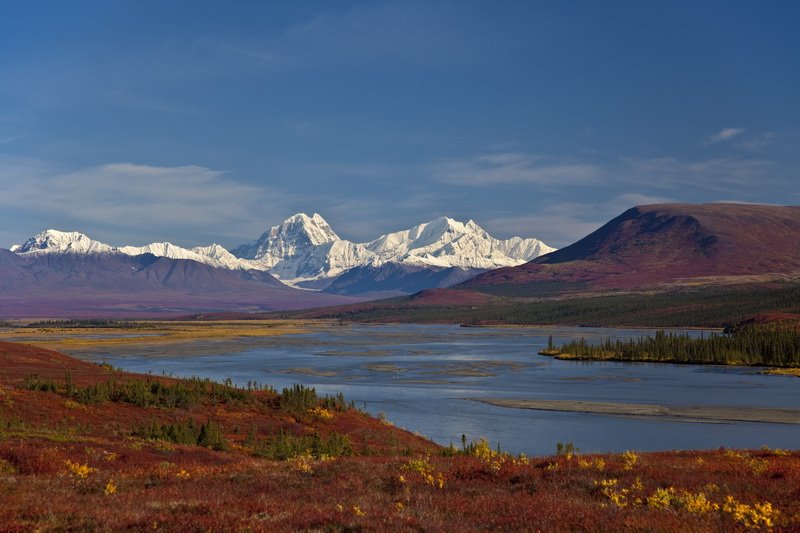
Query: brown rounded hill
x=661 y=244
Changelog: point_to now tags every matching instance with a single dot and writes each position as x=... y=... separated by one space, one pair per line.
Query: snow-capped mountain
x=213 y=255
x=304 y=251
x=446 y=243
x=54 y=241
x=292 y=237
x=60 y=242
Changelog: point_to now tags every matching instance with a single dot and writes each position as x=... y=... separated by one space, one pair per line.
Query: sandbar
x=390 y=368
x=310 y=372
x=697 y=413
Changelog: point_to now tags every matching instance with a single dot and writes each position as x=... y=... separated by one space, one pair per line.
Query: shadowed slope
x=118 y=285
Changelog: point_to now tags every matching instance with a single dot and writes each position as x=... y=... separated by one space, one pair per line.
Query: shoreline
x=684 y=413
x=765 y=369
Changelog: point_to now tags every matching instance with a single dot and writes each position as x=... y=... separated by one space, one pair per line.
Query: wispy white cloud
x=743 y=202
x=627 y=200
x=725 y=135
x=714 y=175
x=758 y=142
x=138 y=200
x=562 y=223
x=513 y=168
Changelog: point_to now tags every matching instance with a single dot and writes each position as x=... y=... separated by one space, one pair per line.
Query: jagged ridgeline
x=754 y=346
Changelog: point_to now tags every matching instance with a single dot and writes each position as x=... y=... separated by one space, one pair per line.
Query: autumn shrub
x=33 y=460
x=35 y=383
x=423 y=469
x=6 y=468
x=567 y=450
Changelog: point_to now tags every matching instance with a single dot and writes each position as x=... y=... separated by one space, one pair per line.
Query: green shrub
x=283 y=445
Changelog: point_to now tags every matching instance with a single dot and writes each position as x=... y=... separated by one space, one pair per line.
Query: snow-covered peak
x=54 y=241
x=214 y=255
x=303 y=228
x=294 y=234
x=217 y=251
x=445 y=242
x=304 y=248
x=159 y=249
x=217 y=254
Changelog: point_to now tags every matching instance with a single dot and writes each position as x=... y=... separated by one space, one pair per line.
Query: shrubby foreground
x=104 y=450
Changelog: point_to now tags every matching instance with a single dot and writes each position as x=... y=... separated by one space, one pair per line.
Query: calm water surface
x=420 y=377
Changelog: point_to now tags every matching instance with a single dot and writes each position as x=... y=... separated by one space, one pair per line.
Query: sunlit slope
x=664 y=246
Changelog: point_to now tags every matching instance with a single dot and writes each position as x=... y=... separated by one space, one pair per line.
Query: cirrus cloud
x=725 y=135
x=513 y=168
x=136 y=200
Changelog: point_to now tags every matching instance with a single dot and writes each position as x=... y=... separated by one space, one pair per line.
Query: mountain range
x=305 y=251
x=652 y=249
x=661 y=264
x=88 y=276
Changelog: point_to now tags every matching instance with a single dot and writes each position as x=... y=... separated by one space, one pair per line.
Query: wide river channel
x=425 y=378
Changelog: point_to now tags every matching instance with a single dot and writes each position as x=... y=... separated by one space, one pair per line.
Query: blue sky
x=197 y=121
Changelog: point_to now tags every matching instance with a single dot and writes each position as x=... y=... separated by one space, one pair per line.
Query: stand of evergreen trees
x=148 y=392
x=284 y=445
x=188 y=432
x=754 y=346
x=82 y=323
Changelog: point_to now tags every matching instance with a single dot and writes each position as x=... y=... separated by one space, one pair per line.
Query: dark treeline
x=705 y=307
x=186 y=393
x=189 y=432
x=758 y=346
x=147 y=392
x=81 y=323
x=298 y=399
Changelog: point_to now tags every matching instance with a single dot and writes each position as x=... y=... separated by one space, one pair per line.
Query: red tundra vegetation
x=87 y=447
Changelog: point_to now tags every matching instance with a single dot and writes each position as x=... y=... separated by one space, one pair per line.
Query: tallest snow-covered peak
x=299 y=228
x=55 y=241
x=291 y=237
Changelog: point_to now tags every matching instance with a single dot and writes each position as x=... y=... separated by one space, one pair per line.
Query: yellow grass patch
x=150 y=333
